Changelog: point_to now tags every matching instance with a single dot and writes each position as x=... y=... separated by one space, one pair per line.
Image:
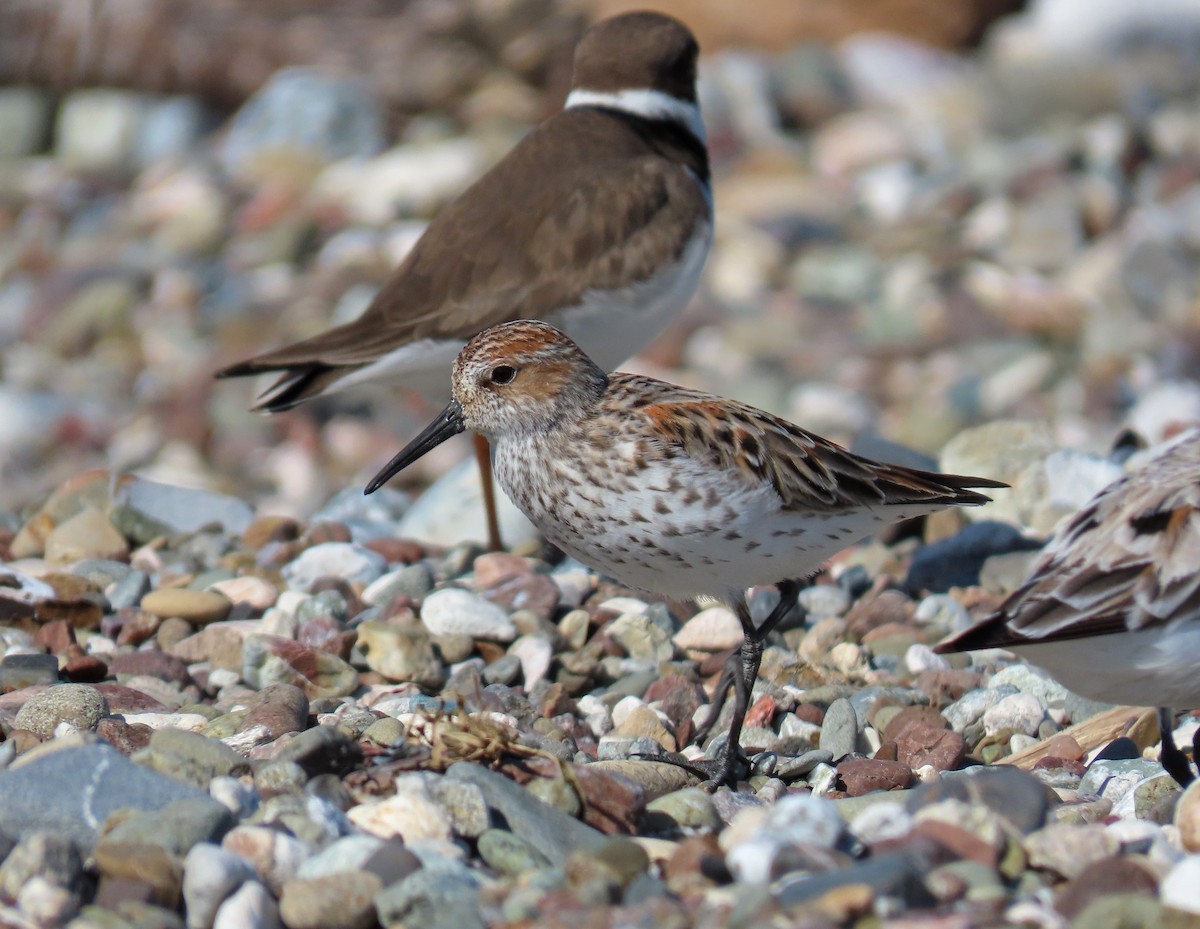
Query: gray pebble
x=77 y=704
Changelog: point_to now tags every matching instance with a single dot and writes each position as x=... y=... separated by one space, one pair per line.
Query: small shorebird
x=598 y=221
x=1111 y=608
x=667 y=489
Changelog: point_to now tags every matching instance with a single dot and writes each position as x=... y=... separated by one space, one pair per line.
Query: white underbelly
x=1145 y=668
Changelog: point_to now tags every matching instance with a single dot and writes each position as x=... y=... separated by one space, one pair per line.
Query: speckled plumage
x=1112 y=605
x=667 y=489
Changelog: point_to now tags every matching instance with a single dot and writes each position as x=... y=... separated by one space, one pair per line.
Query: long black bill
x=448 y=424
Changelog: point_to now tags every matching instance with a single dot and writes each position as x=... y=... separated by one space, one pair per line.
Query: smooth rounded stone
x=199 y=607
x=268 y=659
x=414 y=581
x=880 y=822
x=101 y=572
x=508 y=854
x=1131 y=875
x=20 y=671
x=971 y=706
x=279 y=777
x=1180 y=889
x=1068 y=849
x=150 y=865
x=549 y=830
x=280 y=708
x=1030 y=680
x=920 y=657
x=504 y=670
x=190 y=757
x=643 y=637
x=867 y=775
x=253 y=591
x=345 y=900
x=1019 y=712
x=210 y=876
x=714 y=629
x=1015 y=795
x=182 y=509
x=535 y=653
x=401 y=652
x=275 y=855
x=690 y=809
x=797 y=820
x=345 y=560
x=87 y=534
x=956 y=561
x=798 y=766
x=452 y=610
x=423 y=807
x=50 y=856
x=350 y=853
x=322 y=750
x=433 y=899
x=839 y=729
x=78 y=705
x=824 y=601
x=251 y=906
x=175 y=827
x=128 y=591
x=73 y=790
x=96 y=129
x=46 y=903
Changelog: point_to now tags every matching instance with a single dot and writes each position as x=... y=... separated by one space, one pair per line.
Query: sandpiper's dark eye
x=503 y=374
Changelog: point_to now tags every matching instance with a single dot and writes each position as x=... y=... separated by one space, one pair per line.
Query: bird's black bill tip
x=448 y=424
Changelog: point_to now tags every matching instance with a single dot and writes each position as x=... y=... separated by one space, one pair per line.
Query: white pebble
x=251 y=907
x=343 y=560
x=1180 y=889
x=1018 y=712
x=713 y=630
x=453 y=611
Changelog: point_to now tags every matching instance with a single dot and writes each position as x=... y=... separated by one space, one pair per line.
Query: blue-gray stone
x=1017 y=796
x=957 y=560
x=74 y=790
x=549 y=830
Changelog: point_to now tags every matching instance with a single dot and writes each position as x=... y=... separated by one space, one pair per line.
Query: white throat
x=649 y=104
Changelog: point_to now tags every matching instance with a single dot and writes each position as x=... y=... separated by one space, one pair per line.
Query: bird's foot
x=726 y=770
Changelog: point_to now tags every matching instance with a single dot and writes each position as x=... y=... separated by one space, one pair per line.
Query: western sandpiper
x=1111 y=608
x=667 y=489
x=599 y=221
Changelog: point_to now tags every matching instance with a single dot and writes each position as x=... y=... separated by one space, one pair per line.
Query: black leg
x=742 y=670
x=1175 y=762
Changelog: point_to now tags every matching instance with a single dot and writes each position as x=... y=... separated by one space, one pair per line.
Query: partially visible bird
x=670 y=490
x=1111 y=608
x=599 y=221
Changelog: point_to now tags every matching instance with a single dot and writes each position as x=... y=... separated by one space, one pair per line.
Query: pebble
x=199 y=607
x=241 y=740
x=344 y=560
x=452 y=611
x=76 y=705
x=1019 y=712
x=401 y=653
x=211 y=875
x=715 y=629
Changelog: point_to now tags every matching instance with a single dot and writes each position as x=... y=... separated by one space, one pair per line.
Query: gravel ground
x=236 y=693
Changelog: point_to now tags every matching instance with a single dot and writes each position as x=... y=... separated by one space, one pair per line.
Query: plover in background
x=599 y=221
x=670 y=490
x=1111 y=607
